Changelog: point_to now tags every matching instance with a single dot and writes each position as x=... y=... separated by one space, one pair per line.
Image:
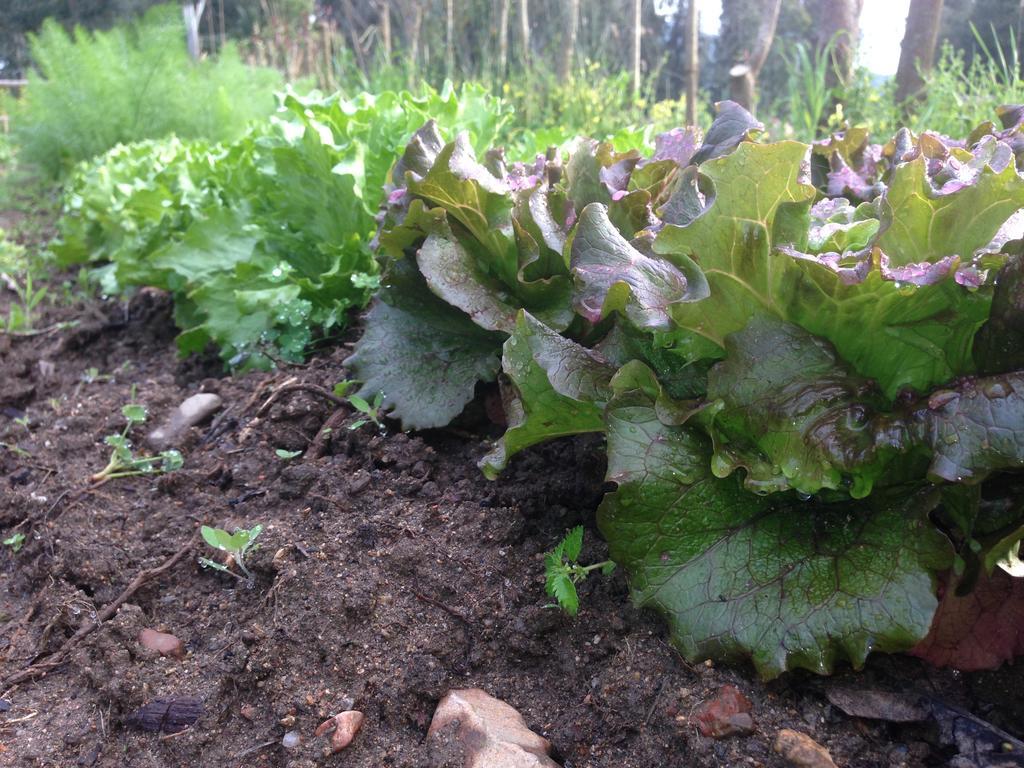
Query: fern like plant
x=93 y=90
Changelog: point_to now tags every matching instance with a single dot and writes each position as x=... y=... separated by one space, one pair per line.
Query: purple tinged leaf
x=582 y=180
x=843 y=180
x=922 y=273
x=679 y=144
x=452 y=273
x=686 y=202
x=732 y=125
x=526 y=175
x=975 y=428
x=970 y=276
x=464 y=165
x=616 y=176
x=549 y=390
x=612 y=275
x=832 y=209
x=1010 y=115
x=957 y=173
x=420 y=153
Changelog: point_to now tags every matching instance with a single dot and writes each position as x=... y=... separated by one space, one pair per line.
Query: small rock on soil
x=801 y=750
x=192 y=411
x=491 y=733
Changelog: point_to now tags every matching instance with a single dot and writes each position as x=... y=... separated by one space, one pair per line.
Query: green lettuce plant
x=264 y=242
x=807 y=363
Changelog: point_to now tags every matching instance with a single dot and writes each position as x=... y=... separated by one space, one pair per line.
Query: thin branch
x=56 y=658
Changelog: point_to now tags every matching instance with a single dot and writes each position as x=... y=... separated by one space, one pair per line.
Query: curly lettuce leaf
x=740 y=241
x=758 y=196
x=490 y=264
x=554 y=388
x=783 y=583
x=920 y=225
x=791 y=415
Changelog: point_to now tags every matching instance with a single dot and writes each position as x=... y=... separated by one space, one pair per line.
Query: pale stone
x=162 y=642
x=492 y=734
x=802 y=751
x=191 y=412
x=345 y=726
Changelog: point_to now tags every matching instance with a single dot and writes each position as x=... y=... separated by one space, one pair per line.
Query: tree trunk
x=220 y=15
x=917 y=54
x=210 y=34
x=637 y=38
x=385 y=29
x=192 y=12
x=692 y=62
x=414 y=42
x=503 y=39
x=524 y=30
x=838 y=22
x=569 y=44
x=750 y=25
x=357 y=46
x=449 y=39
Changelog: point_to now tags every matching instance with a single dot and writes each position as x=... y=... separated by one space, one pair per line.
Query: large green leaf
x=423 y=355
x=741 y=240
x=915 y=336
x=759 y=197
x=783 y=583
x=788 y=413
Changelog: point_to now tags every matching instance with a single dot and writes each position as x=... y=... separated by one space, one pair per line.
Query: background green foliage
x=92 y=90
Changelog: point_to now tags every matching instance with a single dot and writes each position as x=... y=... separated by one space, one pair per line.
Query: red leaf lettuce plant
x=807 y=361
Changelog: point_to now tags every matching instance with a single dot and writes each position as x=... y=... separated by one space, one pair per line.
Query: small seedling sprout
x=563 y=570
x=124 y=463
x=286 y=455
x=15 y=541
x=370 y=409
x=236 y=544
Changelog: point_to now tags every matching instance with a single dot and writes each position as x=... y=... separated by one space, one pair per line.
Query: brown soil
x=389 y=572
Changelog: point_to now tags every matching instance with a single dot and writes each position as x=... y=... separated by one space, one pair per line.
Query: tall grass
x=809 y=95
x=957 y=97
x=960 y=96
x=92 y=90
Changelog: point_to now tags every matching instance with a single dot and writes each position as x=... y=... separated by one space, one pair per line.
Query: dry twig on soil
x=56 y=658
